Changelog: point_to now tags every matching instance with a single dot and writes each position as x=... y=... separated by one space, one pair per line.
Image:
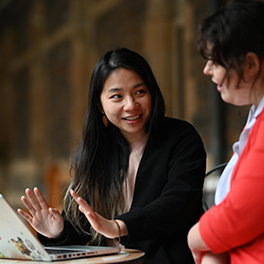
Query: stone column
x=157 y=45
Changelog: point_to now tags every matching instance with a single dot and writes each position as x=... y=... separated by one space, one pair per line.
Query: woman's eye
x=139 y=92
x=116 y=96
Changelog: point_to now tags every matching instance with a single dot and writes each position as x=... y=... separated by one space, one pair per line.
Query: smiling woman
x=137 y=179
x=126 y=102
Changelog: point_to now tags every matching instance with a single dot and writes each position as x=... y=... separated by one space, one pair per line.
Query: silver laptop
x=17 y=241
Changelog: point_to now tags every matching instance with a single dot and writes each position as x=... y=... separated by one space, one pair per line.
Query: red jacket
x=237 y=224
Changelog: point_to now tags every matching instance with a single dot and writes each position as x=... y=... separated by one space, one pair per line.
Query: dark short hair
x=232 y=32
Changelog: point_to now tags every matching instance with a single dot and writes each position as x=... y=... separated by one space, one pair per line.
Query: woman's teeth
x=132 y=118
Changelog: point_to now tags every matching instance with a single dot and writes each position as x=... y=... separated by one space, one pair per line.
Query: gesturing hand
x=107 y=228
x=45 y=220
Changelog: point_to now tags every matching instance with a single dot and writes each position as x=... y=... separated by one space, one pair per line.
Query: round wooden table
x=125 y=256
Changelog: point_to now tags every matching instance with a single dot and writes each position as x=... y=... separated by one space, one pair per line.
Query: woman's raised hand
x=107 y=228
x=45 y=220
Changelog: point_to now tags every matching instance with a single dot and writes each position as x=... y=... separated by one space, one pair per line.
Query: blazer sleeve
x=168 y=192
x=239 y=219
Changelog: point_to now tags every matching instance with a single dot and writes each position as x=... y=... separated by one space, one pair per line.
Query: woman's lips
x=132 y=119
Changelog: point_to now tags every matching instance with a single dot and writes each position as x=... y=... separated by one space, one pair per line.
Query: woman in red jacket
x=232 y=41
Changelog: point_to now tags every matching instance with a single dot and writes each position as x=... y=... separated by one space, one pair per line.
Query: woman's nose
x=208 y=68
x=130 y=104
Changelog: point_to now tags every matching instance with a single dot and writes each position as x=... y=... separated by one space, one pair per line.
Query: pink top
x=136 y=152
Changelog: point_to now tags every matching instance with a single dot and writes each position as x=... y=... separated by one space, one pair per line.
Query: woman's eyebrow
x=114 y=89
x=139 y=84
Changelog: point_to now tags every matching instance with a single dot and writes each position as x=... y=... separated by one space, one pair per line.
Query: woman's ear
x=251 y=66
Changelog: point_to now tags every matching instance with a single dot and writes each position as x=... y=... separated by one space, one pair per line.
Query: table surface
x=129 y=256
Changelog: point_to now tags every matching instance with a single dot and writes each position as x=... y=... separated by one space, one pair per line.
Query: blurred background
x=48 y=49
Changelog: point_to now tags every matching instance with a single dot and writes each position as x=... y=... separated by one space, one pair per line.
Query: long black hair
x=230 y=33
x=100 y=162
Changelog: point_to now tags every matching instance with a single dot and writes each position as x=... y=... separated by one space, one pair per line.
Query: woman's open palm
x=45 y=220
x=107 y=228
